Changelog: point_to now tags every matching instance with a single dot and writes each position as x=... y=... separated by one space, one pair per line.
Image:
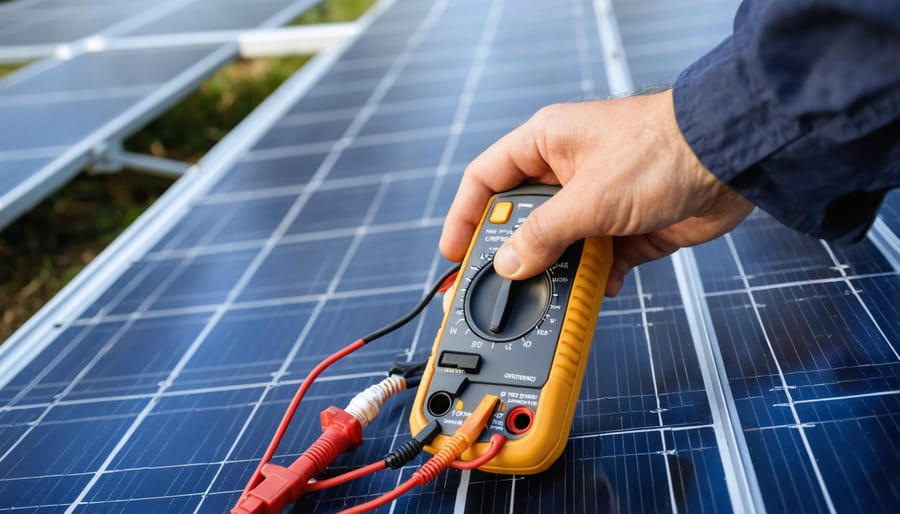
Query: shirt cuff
x=728 y=121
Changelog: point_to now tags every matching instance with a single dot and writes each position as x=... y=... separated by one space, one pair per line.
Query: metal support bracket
x=112 y=158
x=261 y=42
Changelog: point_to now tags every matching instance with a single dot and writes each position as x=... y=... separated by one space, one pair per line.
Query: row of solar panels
x=60 y=113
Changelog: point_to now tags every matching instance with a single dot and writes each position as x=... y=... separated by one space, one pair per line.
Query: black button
x=468 y=362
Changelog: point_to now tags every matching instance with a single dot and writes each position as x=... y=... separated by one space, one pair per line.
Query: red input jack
x=519 y=419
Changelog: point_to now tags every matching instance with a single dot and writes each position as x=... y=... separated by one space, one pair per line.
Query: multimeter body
x=524 y=341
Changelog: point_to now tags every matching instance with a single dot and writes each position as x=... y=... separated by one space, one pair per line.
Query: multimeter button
x=501 y=212
x=468 y=362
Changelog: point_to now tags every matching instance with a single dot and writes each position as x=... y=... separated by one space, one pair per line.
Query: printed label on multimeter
x=524 y=341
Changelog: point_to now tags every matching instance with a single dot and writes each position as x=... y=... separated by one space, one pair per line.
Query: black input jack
x=440 y=403
x=519 y=419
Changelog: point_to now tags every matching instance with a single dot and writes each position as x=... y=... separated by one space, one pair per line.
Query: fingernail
x=506 y=262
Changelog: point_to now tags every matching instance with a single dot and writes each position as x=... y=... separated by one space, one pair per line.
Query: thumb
x=544 y=235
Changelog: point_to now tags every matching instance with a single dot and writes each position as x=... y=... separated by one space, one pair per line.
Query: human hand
x=626 y=171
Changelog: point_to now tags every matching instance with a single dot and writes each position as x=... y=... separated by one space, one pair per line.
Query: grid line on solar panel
x=658 y=409
x=194 y=389
x=796 y=283
x=398 y=177
x=244 y=392
x=402 y=137
x=890 y=212
x=564 y=89
x=831 y=259
x=316 y=235
x=78 y=96
x=43 y=153
x=842 y=269
x=613 y=460
x=823 y=489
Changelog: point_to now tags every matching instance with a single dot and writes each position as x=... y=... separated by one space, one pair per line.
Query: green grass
x=190 y=129
x=6 y=69
x=44 y=249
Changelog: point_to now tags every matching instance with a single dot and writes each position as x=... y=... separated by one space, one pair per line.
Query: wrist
x=700 y=186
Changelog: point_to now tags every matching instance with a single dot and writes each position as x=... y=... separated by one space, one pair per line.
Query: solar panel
x=757 y=372
x=216 y=15
x=37 y=26
x=890 y=211
x=656 y=49
x=27 y=24
x=57 y=113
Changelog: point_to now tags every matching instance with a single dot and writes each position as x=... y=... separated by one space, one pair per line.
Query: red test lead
x=341 y=431
x=271 y=487
x=282 y=486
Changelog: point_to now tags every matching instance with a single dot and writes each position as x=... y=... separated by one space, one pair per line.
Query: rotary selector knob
x=498 y=309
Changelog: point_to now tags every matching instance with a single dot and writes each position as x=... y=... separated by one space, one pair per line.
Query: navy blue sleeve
x=799 y=110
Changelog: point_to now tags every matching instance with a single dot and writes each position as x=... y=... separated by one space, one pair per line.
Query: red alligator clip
x=282 y=486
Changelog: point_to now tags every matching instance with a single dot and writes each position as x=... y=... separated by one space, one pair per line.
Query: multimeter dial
x=498 y=309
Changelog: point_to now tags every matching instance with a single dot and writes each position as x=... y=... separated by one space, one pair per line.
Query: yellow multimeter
x=525 y=341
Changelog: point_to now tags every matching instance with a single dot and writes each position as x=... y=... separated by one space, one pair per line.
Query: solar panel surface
x=757 y=372
x=890 y=211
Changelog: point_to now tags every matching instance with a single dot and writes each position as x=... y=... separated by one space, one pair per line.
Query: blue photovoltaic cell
x=274 y=172
x=890 y=211
x=38 y=126
x=377 y=159
x=297 y=135
x=295 y=269
x=14 y=172
x=107 y=70
x=212 y=224
x=162 y=395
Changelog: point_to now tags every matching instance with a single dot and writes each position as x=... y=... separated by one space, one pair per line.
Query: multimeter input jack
x=519 y=419
x=440 y=403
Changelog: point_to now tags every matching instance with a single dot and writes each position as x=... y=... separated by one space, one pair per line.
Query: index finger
x=505 y=164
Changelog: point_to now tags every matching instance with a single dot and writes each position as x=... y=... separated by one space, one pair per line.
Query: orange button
x=501 y=212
